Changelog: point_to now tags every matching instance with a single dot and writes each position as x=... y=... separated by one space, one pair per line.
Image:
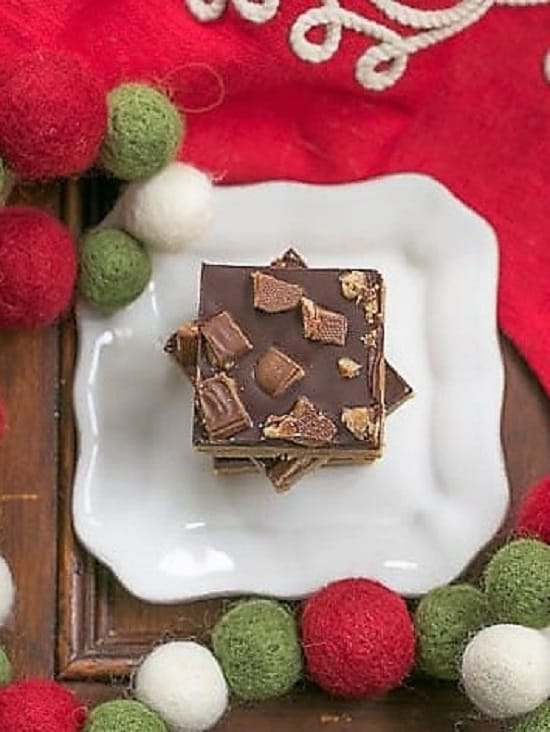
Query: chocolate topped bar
x=283 y=334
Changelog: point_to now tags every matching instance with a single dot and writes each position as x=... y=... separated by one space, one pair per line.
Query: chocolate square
x=230 y=289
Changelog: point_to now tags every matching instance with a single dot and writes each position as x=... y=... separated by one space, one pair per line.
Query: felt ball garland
x=144 y=132
x=39 y=705
x=517 y=583
x=38 y=266
x=114 y=269
x=533 y=518
x=53 y=115
x=124 y=715
x=257 y=645
x=444 y=620
x=358 y=638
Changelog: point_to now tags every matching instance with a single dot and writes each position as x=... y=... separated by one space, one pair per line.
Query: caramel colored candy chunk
x=289 y=260
x=273 y=295
x=353 y=284
x=362 y=422
x=225 y=341
x=323 y=325
x=183 y=347
x=348 y=368
x=276 y=372
x=222 y=411
x=304 y=425
x=283 y=474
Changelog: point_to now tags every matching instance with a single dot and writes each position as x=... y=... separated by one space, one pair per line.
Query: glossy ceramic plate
x=151 y=509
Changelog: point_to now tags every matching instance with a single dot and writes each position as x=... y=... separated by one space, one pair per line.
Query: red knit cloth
x=358 y=638
x=474 y=112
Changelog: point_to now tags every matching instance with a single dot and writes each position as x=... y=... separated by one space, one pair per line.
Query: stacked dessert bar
x=288 y=368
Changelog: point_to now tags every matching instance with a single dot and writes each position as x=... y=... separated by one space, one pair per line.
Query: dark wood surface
x=73 y=620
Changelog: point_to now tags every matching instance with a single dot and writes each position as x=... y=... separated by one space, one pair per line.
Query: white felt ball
x=506 y=670
x=7 y=591
x=184 y=684
x=168 y=210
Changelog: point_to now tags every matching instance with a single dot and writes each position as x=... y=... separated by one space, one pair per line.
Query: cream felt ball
x=7 y=591
x=184 y=684
x=168 y=210
x=506 y=670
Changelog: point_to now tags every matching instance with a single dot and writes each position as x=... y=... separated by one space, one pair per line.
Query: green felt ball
x=5 y=668
x=143 y=134
x=537 y=721
x=124 y=715
x=444 y=622
x=114 y=269
x=257 y=645
x=517 y=583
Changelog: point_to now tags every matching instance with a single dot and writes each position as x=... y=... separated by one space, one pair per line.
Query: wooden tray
x=74 y=621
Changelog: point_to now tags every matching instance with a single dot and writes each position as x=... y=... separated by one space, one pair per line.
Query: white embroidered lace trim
x=384 y=63
x=256 y=12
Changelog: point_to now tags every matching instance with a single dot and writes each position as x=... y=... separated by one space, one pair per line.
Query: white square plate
x=150 y=508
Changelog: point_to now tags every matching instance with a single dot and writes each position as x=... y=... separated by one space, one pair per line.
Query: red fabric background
x=474 y=112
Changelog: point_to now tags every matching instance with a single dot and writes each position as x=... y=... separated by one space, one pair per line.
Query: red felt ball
x=37 y=267
x=533 y=518
x=53 y=115
x=39 y=705
x=358 y=638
